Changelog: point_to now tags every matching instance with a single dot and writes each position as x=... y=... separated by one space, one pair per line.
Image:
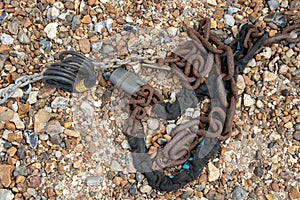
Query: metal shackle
x=125 y=80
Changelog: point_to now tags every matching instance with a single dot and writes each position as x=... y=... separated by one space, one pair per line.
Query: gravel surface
x=57 y=145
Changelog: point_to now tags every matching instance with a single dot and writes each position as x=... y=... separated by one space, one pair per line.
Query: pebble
x=153 y=123
x=51 y=30
x=290 y=53
x=267 y=52
x=86 y=19
x=213 y=172
x=279 y=19
x=239 y=193
x=258 y=171
x=172 y=31
x=115 y=166
x=133 y=189
x=248 y=100
x=273 y=4
x=32 y=99
x=84 y=45
x=41 y=119
x=71 y=133
x=269 y=76
x=23 y=38
x=35 y=182
x=98 y=27
x=108 y=49
x=275 y=187
x=54 y=127
x=96 y=46
x=76 y=22
x=6 y=39
x=60 y=102
x=296 y=135
x=53 y=13
x=31 y=191
x=31 y=138
x=212 y=2
x=6 y=194
x=145 y=189
x=94 y=181
x=17 y=121
x=13 y=27
x=45 y=44
x=229 y=20
x=128 y=19
x=108 y=24
x=240 y=84
x=5 y=174
x=294 y=193
x=232 y=10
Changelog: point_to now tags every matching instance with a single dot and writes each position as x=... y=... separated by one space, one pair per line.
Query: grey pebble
x=31 y=138
x=6 y=194
x=53 y=13
x=98 y=27
x=23 y=38
x=139 y=177
x=297 y=135
x=94 y=180
x=45 y=44
x=54 y=127
x=56 y=139
x=133 y=190
x=96 y=46
x=279 y=19
x=13 y=27
x=258 y=171
x=239 y=193
x=229 y=20
x=233 y=10
x=184 y=195
x=108 y=49
x=6 y=39
x=273 y=4
x=21 y=152
x=20 y=171
x=76 y=22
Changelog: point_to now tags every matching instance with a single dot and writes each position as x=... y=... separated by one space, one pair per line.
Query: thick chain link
x=20 y=82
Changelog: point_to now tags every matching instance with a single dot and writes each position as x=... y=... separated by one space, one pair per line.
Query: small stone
x=273 y=4
x=283 y=69
x=294 y=193
x=54 y=127
x=229 y=20
x=71 y=133
x=41 y=119
x=239 y=194
x=258 y=171
x=108 y=49
x=289 y=53
x=297 y=135
x=76 y=22
x=98 y=27
x=295 y=5
x=53 y=13
x=78 y=164
x=32 y=99
x=31 y=191
x=213 y=172
x=117 y=180
x=13 y=27
x=267 y=52
x=17 y=121
x=5 y=174
x=259 y=104
x=145 y=189
x=133 y=190
x=31 y=138
x=60 y=102
x=115 y=166
x=288 y=125
x=86 y=19
x=128 y=19
x=275 y=187
x=170 y=127
x=94 y=181
x=11 y=151
x=84 y=45
x=269 y=76
x=6 y=194
x=51 y=30
x=108 y=24
x=59 y=5
x=133 y=42
x=240 y=84
x=96 y=46
x=6 y=114
x=212 y=2
x=23 y=38
x=248 y=101
x=172 y=31
x=6 y=39
x=35 y=182
x=153 y=123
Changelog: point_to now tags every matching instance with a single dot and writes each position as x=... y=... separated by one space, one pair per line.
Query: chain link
x=20 y=82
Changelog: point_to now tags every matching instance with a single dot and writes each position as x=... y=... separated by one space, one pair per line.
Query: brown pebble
x=5 y=174
x=275 y=187
x=86 y=19
x=4 y=49
x=20 y=179
x=35 y=181
x=297 y=135
x=294 y=193
x=84 y=45
x=69 y=5
x=12 y=151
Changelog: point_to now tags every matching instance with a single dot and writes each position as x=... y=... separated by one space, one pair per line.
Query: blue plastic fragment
x=31 y=138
